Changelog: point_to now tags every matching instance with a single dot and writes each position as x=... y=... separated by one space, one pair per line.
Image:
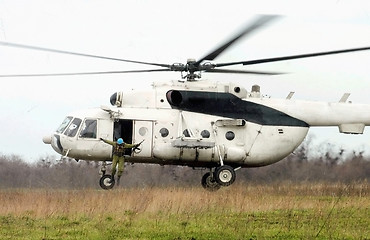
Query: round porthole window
x=230 y=135
x=164 y=132
x=186 y=133
x=205 y=134
x=143 y=131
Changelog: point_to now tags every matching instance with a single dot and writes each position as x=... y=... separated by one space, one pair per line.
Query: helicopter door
x=88 y=146
x=144 y=131
x=123 y=129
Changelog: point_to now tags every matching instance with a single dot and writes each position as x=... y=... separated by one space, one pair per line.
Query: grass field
x=277 y=211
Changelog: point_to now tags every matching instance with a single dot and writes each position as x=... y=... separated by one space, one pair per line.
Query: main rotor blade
x=242 y=72
x=259 y=22
x=15 y=45
x=276 y=59
x=81 y=73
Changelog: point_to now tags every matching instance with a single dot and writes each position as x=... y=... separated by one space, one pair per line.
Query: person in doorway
x=119 y=148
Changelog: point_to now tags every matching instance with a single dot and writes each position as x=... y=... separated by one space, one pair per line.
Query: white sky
x=167 y=32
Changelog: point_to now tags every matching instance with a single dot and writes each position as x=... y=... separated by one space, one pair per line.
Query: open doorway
x=123 y=129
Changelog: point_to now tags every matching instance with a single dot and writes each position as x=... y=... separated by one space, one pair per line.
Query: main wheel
x=209 y=182
x=106 y=183
x=225 y=175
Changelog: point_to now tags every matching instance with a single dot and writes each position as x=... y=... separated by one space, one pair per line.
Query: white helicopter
x=205 y=124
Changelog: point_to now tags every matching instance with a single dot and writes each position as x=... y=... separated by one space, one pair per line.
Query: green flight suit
x=118 y=155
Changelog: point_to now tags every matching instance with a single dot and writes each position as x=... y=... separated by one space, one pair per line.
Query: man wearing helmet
x=119 y=148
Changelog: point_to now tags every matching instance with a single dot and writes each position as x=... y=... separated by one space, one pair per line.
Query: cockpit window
x=88 y=129
x=64 y=124
x=72 y=129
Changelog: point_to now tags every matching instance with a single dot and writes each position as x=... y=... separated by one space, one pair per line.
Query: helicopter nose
x=46 y=139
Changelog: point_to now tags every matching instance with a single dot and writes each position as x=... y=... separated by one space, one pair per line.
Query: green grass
x=293 y=224
x=272 y=215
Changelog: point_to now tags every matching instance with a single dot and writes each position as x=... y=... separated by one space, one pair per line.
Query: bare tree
x=48 y=172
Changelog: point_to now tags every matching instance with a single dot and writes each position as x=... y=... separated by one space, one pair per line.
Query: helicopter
x=222 y=127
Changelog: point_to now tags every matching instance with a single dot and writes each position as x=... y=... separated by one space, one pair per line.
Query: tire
x=209 y=182
x=105 y=182
x=225 y=175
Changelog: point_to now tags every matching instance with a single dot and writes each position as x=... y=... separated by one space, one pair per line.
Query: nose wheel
x=106 y=182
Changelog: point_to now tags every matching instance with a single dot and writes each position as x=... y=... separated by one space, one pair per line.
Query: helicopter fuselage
x=202 y=125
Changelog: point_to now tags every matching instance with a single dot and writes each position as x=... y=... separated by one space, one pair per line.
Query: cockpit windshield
x=73 y=127
x=64 y=124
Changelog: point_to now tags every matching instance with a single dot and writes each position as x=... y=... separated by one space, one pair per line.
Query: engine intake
x=174 y=97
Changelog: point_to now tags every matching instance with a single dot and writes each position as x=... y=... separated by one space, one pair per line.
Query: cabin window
x=89 y=129
x=230 y=135
x=64 y=124
x=72 y=129
x=164 y=132
x=143 y=131
x=205 y=134
x=186 y=133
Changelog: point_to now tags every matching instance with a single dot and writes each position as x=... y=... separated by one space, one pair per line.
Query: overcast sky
x=168 y=32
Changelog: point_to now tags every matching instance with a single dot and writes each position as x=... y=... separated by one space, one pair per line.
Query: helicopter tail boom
x=350 y=118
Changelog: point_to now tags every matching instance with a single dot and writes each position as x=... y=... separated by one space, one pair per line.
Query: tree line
x=48 y=172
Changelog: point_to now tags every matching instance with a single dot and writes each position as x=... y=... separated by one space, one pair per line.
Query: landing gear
x=225 y=175
x=106 y=182
x=222 y=176
x=209 y=182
